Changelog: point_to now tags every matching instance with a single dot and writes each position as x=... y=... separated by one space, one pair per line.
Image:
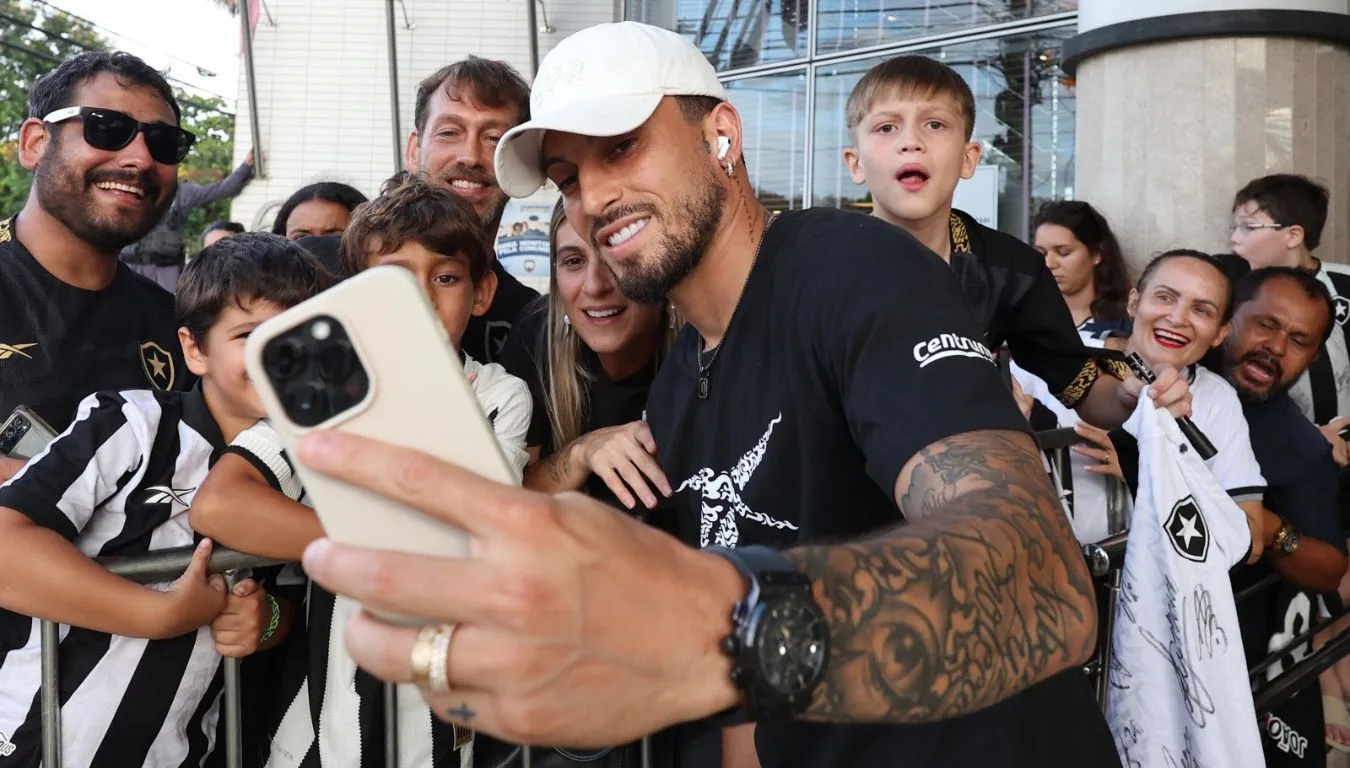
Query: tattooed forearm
x=562 y=471
x=982 y=593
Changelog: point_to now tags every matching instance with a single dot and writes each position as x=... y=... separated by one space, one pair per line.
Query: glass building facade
x=789 y=66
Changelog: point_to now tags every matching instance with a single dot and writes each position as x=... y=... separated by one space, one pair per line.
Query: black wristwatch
x=779 y=642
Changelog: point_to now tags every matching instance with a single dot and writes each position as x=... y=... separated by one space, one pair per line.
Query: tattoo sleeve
x=981 y=594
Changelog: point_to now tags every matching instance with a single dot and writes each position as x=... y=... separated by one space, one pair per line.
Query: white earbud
x=723 y=147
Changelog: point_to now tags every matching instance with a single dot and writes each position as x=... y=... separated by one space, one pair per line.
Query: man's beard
x=491 y=216
x=1277 y=387
x=68 y=198
x=678 y=252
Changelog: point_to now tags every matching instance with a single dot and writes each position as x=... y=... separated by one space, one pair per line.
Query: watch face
x=791 y=640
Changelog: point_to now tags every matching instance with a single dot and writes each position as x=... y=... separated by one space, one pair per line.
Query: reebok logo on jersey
x=7 y=747
x=10 y=350
x=163 y=494
x=1187 y=531
x=946 y=345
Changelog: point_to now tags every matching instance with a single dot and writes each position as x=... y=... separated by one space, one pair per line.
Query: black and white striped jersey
x=332 y=713
x=118 y=481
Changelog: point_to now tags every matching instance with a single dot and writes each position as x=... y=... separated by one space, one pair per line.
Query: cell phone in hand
x=24 y=434
x=370 y=357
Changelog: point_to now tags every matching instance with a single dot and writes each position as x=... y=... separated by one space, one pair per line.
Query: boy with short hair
x=1278 y=222
x=253 y=502
x=119 y=481
x=911 y=119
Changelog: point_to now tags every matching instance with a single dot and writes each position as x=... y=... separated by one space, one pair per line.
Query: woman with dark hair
x=322 y=208
x=1082 y=253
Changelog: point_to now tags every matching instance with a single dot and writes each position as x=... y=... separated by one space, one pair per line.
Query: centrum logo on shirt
x=946 y=345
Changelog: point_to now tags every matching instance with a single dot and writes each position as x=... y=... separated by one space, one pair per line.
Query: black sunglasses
x=110 y=130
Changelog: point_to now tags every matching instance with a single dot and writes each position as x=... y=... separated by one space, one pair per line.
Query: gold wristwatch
x=1286 y=540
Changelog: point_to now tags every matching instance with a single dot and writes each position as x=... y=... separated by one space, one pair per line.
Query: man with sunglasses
x=160 y=255
x=103 y=142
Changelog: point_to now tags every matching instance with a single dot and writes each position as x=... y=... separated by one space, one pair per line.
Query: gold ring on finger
x=423 y=654
x=438 y=673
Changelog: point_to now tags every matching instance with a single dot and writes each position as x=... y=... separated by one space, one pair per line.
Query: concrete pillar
x=1181 y=102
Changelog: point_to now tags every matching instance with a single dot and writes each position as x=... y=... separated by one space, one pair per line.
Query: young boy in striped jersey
x=253 y=502
x=140 y=672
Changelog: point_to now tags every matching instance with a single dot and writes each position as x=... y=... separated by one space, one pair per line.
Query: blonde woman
x=589 y=356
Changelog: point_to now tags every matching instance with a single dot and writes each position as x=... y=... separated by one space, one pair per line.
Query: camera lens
x=308 y=403
x=285 y=358
x=336 y=360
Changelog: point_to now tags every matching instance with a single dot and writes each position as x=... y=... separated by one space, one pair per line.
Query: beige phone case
x=418 y=397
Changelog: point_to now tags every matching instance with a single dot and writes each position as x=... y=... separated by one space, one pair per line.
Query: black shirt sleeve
x=1310 y=502
x=888 y=322
x=1043 y=339
x=524 y=356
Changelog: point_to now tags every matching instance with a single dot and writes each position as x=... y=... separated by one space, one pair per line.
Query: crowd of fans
x=163 y=442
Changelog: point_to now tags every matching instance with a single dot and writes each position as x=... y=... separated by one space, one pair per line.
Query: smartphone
x=24 y=435
x=370 y=357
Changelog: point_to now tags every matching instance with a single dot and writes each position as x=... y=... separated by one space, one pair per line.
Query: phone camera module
x=315 y=371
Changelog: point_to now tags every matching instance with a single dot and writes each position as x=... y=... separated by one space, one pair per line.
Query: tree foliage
x=33 y=40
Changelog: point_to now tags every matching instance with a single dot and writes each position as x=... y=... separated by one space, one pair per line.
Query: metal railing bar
x=51 y=696
x=1297 y=677
x=169 y=564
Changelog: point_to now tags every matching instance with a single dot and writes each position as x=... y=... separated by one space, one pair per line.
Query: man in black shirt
x=461 y=112
x=74 y=320
x=930 y=605
x=1281 y=320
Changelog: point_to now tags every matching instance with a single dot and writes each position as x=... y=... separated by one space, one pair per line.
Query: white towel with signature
x=1179 y=695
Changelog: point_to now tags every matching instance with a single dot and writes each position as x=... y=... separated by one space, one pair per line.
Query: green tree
x=31 y=43
x=209 y=161
x=33 y=40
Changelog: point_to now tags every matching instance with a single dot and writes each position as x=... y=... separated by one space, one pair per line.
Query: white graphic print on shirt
x=726 y=487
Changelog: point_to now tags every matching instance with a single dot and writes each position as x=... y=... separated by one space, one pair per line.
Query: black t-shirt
x=485 y=336
x=1301 y=486
x=1015 y=300
x=851 y=350
x=609 y=403
x=59 y=343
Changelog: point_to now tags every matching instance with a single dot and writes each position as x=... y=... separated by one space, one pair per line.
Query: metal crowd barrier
x=168 y=565
x=1105 y=560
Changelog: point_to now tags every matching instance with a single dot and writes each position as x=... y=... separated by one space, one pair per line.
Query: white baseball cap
x=605 y=80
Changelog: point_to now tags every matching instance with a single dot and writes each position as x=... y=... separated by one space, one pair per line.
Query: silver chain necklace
x=705 y=369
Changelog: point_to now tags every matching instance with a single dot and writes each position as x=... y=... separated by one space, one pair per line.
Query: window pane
x=773 y=127
x=1024 y=120
x=732 y=33
x=847 y=24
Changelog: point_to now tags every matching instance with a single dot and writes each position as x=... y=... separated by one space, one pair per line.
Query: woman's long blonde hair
x=567 y=381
